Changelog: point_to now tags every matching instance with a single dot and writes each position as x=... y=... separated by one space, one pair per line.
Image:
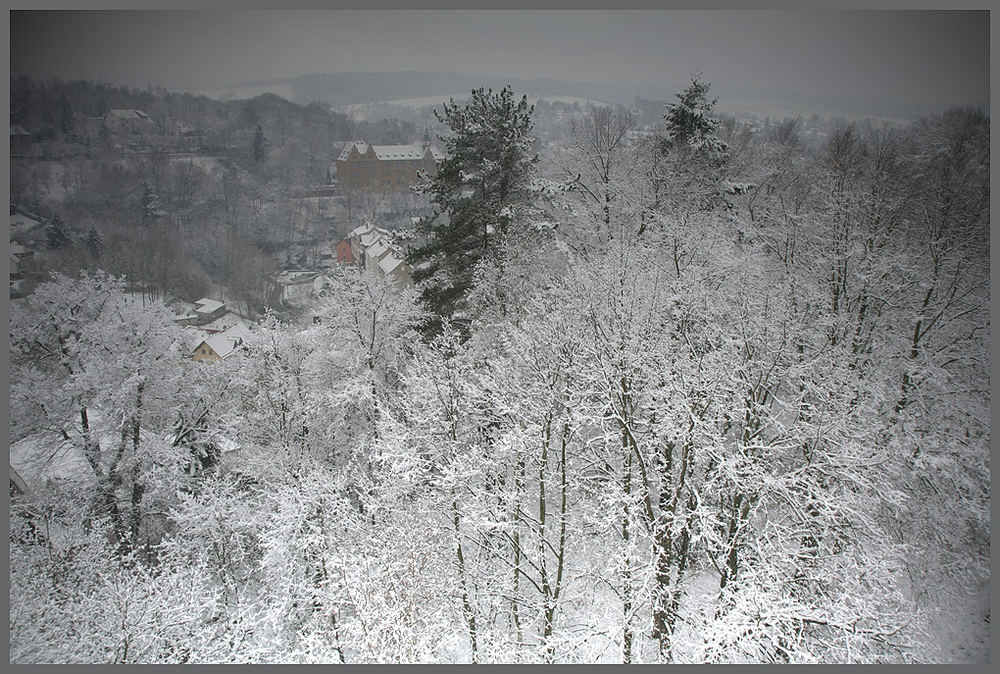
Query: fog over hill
x=341 y=89
x=357 y=88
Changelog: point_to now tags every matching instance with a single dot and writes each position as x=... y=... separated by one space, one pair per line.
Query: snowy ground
x=959 y=633
x=44 y=457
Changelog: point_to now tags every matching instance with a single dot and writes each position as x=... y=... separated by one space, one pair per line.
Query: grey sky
x=914 y=57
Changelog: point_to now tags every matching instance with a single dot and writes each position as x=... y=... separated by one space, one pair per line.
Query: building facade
x=122 y=123
x=385 y=168
x=20 y=141
x=344 y=253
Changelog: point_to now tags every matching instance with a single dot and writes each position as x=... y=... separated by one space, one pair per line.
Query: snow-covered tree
x=55 y=233
x=259 y=146
x=95 y=243
x=149 y=204
x=99 y=375
x=480 y=190
x=691 y=128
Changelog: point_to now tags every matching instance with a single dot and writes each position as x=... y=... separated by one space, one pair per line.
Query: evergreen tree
x=104 y=135
x=56 y=236
x=258 y=146
x=95 y=243
x=693 y=156
x=479 y=190
x=690 y=125
x=67 y=122
x=149 y=203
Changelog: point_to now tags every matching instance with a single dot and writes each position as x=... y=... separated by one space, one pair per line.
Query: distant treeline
x=57 y=110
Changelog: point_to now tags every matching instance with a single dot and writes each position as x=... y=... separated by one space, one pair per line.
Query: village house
x=205 y=311
x=122 y=123
x=374 y=253
x=24 y=226
x=386 y=168
x=294 y=286
x=21 y=262
x=392 y=264
x=344 y=253
x=372 y=247
x=221 y=345
x=20 y=141
x=363 y=236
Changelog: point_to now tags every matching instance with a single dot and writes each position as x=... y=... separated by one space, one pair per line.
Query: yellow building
x=222 y=344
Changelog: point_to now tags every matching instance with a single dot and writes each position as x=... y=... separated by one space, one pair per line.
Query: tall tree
x=690 y=124
x=95 y=243
x=67 y=122
x=478 y=192
x=149 y=203
x=258 y=146
x=56 y=236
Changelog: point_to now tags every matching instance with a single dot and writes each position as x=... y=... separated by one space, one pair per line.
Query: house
x=205 y=311
x=129 y=122
x=364 y=236
x=392 y=264
x=16 y=251
x=122 y=123
x=25 y=226
x=221 y=345
x=295 y=285
x=375 y=252
x=344 y=252
x=26 y=232
x=21 y=262
x=386 y=168
x=20 y=141
x=208 y=310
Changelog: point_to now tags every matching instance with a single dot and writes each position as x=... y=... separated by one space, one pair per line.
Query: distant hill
x=352 y=92
x=344 y=89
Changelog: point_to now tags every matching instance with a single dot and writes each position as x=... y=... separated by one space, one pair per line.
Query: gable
x=204 y=351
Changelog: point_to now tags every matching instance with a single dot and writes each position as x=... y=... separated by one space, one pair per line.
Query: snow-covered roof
x=377 y=249
x=226 y=341
x=22 y=220
x=221 y=323
x=207 y=306
x=389 y=263
x=409 y=151
x=371 y=237
x=358 y=231
x=289 y=277
x=17 y=249
x=128 y=114
x=360 y=144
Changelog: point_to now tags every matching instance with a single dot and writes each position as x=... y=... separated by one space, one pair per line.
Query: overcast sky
x=917 y=57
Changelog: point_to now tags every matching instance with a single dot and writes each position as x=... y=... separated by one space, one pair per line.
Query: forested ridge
x=703 y=392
